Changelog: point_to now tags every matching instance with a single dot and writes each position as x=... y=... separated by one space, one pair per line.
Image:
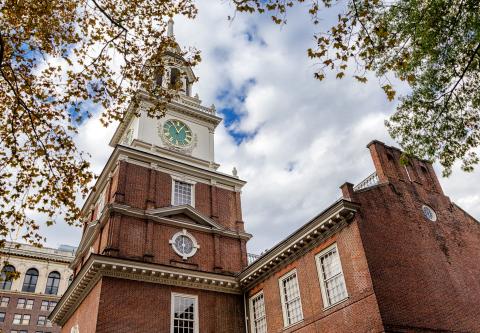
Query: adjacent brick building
x=164 y=244
x=394 y=254
x=43 y=276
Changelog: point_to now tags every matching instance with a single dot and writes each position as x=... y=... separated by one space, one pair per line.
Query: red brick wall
x=86 y=314
x=143 y=188
x=138 y=183
x=36 y=311
x=425 y=274
x=133 y=239
x=359 y=313
x=140 y=307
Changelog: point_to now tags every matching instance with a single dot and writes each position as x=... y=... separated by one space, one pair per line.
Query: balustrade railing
x=371 y=180
x=252 y=257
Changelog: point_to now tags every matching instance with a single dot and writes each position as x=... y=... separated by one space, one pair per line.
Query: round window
x=184 y=244
x=429 y=213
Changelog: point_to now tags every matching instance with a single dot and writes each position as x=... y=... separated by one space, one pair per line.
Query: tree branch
x=110 y=18
x=2 y=49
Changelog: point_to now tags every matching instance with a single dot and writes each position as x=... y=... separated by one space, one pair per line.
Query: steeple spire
x=170 y=28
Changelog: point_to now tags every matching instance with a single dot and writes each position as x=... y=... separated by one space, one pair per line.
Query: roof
x=330 y=220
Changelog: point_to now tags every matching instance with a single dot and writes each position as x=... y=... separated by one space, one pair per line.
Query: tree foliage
x=60 y=60
x=433 y=45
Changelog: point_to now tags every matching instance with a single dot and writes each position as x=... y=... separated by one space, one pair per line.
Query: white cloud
x=311 y=135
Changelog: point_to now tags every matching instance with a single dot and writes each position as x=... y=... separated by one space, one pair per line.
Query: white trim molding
x=283 y=299
x=195 y=245
x=98 y=266
x=327 y=223
x=326 y=301
x=251 y=306
x=185 y=180
x=196 y=319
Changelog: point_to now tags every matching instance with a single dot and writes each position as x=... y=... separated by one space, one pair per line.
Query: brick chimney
x=389 y=169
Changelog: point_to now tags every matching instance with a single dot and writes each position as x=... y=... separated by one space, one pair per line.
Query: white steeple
x=186 y=132
x=170 y=28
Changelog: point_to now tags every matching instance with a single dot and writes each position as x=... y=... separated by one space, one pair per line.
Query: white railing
x=371 y=180
x=252 y=257
x=195 y=102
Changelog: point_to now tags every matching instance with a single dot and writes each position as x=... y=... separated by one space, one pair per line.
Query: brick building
x=164 y=244
x=26 y=302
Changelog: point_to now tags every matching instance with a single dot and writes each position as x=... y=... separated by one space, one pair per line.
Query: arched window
x=52 y=283
x=6 y=278
x=30 y=282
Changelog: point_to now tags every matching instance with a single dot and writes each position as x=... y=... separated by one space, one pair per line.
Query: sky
x=295 y=140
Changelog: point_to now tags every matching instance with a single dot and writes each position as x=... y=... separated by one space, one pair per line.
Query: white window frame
x=4 y=301
x=326 y=304
x=195 y=312
x=283 y=301
x=187 y=181
x=252 y=310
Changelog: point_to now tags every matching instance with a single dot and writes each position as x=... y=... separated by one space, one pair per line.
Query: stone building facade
x=164 y=244
x=43 y=276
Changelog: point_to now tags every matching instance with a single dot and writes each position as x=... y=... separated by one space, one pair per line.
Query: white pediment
x=177 y=212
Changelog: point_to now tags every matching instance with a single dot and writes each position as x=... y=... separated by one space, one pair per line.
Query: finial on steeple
x=170 y=28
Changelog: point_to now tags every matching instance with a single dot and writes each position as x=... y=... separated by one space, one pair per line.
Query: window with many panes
x=258 y=317
x=48 y=305
x=7 y=276
x=291 y=302
x=30 y=281
x=21 y=319
x=25 y=303
x=330 y=273
x=2 y=317
x=182 y=193
x=42 y=320
x=184 y=314
x=4 y=302
x=53 y=282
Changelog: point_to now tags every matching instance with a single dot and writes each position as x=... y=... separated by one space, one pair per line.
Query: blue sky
x=293 y=139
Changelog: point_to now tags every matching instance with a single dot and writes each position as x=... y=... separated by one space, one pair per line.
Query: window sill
x=335 y=304
x=291 y=325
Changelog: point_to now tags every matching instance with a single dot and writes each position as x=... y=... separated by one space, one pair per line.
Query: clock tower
x=163 y=236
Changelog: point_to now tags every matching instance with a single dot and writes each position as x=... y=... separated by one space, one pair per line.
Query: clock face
x=184 y=245
x=177 y=133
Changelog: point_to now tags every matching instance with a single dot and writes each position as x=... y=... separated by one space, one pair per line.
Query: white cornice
x=184 y=104
x=98 y=266
x=171 y=154
x=311 y=234
x=163 y=164
x=154 y=215
x=28 y=251
x=187 y=210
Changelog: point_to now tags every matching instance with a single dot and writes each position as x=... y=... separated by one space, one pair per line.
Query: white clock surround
x=183 y=254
